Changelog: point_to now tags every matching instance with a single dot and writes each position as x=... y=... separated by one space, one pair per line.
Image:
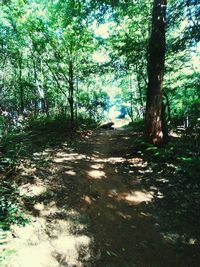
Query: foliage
x=136 y=126
x=10 y=211
x=47 y=57
x=60 y=123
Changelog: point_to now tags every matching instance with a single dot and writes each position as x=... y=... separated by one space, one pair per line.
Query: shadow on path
x=101 y=202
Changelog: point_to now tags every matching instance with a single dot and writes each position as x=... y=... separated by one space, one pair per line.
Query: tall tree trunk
x=140 y=95
x=39 y=92
x=71 y=91
x=168 y=106
x=21 y=87
x=36 y=84
x=130 y=112
x=156 y=58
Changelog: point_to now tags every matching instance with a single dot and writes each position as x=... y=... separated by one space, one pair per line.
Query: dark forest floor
x=106 y=199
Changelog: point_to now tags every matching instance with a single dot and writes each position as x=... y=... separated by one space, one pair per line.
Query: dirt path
x=93 y=204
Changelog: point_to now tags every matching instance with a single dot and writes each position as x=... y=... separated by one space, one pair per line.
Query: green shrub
x=10 y=210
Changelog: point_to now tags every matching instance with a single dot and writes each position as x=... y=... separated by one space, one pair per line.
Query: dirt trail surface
x=94 y=203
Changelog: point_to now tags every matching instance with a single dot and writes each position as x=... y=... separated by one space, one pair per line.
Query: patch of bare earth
x=90 y=206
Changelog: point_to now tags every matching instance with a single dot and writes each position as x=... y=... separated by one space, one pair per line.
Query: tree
x=182 y=62
x=47 y=58
x=156 y=58
x=43 y=54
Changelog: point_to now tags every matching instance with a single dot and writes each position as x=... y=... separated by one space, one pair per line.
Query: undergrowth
x=10 y=206
x=11 y=212
x=62 y=122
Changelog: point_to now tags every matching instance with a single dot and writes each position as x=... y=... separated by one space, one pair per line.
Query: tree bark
x=71 y=91
x=156 y=58
x=140 y=95
x=21 y=87
x=164 y=124
x=168 y=106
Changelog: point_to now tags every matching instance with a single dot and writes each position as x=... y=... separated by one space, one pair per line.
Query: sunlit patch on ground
x=157 y=193
x=163 y=180
x=26 y=167
x=70 y=172
x=31 y=190
x=39 y=154
x=96 y=174
x=115 y=160
x=138 y=196
x=192 y=241
x=149 y=170
x=137 y=162
x=32 y=234
x=97 y=166
x=87 y=199
x=45 y=155
x=119 y=123
x=46 y=210
x=63 y=251
x=135 y=197
x=49 y=243
x=110 y=160
x=62 y=157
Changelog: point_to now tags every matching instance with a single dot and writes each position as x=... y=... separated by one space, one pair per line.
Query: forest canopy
x=61 y=57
